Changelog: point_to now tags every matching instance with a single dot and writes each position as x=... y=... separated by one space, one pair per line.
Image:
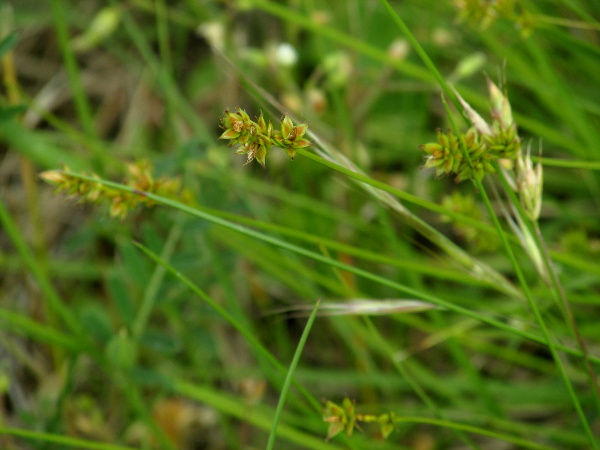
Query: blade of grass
x=290 y=375
x=507 y=247
x=59 y=439
x=233 y=407
x=132 y=392
x=521 y=443
x=524 y=286
x=37 y=147
x=197 y=212
x=42 y=333
x=567 y=163
x=82 y=104
x=7 y=43
x=153 y=287
x=477 y=269
x=251 y=338
x=53 y=301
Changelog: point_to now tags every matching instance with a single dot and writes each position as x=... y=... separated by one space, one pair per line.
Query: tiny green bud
x=529 y=186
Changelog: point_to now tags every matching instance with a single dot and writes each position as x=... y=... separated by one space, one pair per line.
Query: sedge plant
x=456 y=269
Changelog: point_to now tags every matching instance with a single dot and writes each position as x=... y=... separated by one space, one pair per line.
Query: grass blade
x=290 y=375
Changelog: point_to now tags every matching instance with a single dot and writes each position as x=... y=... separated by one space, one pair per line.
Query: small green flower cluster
x=255 y=139
x=447 y=157
x=483 y=142
x=344 y=418
x=121 y=202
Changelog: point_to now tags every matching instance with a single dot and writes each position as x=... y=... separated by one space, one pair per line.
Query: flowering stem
x=201 y=213
x=410 y=379
x=478 y=269
x=420 y=51
x=525 y=287
x=564 y=304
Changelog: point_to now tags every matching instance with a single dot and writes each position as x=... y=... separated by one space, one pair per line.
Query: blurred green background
x=99 y=342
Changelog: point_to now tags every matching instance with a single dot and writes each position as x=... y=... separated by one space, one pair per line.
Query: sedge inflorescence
x=483 y=143
x=255 y=139
x=345 y=418
x=471 y=155
x=121 y=202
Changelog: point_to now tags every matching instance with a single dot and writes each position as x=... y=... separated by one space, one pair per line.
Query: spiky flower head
x=255 y=139
x=447 y=157
x=345 y=418
x=292 y=137
x=529 y=185
x=121 y=202
x=484 y=142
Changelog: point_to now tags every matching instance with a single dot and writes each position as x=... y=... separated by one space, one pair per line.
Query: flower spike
x=255 y=139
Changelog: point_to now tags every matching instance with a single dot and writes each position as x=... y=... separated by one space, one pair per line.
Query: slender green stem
x=476 y=268
x=524 y=286
x=592 y=378
x=50 y=295
x=421 y=52
x=67 y=387
x=403 y=195
x=259 y=418
x=522 y=443
x=196 y=212
x=34 y=330
x=558 y=290
x=155 y=281
x=410 y=379
x=59 y=439
x=82 y=103
x=566 y=163
x=250 y=337
x=131 y=391
x=290 y=376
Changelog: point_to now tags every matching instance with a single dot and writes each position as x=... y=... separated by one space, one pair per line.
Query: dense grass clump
x=414 y=262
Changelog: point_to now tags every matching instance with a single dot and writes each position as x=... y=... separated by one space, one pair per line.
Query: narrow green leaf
x=59 y=439
x=7 y=43
x=198 y=212
x=290 y=375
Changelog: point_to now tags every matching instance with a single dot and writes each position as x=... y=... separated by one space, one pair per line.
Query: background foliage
x=184 y=340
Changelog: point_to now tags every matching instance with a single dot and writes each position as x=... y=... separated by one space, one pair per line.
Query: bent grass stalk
x=558 y=289
x=227 y=316
x=261 y=418
x=525 y=287
x=507 y=247
x=386 y=350
x=476 y=268
x=202 y=214
x=60 y=439
x=290 y=376
x=53 y=300
x=330 y=156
